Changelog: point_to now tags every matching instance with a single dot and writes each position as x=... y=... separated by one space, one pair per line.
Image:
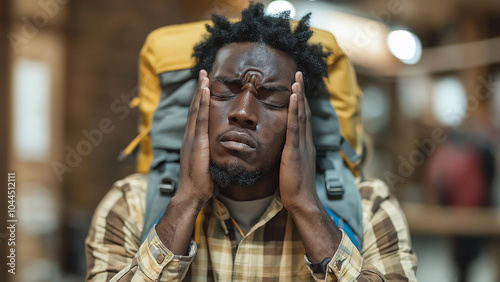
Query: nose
x=243 y=112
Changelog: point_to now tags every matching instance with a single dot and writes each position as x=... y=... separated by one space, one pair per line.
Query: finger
x=202 y=83
x=297 y=88
x=201 y=129
x=201 y=75
x=194 y=107
x=309 y=136
x=292 y=128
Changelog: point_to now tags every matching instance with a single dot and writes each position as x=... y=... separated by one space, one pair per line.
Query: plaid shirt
x=271 y=251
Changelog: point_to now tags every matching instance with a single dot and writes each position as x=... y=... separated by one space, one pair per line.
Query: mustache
x=241 y=130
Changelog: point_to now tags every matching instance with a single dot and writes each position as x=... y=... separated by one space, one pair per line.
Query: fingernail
x=294 y=97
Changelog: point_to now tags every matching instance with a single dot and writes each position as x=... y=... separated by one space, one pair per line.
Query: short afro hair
x=274 y=31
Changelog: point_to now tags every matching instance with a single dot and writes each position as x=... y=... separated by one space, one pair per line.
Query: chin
x=233 y=162
x=226 y=174
x=235 y=159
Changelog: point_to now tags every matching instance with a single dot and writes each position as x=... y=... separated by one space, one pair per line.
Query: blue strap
x=156 y=221
x=158 y=218
x=347 y=230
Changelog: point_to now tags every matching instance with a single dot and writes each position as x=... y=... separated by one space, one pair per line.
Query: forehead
x=238 y=58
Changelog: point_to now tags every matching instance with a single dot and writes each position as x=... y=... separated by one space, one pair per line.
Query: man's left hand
x=298 y=161
x=318 y=233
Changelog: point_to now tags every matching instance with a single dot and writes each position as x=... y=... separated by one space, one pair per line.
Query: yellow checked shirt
x=271 y=251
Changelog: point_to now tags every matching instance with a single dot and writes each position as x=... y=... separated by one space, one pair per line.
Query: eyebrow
x=227 y=80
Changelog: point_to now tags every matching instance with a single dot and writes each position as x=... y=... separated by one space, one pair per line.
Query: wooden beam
x=456 y=57
x=452 y=221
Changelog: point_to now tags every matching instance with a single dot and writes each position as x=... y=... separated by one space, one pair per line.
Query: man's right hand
x=195 y=181
x=195 y=188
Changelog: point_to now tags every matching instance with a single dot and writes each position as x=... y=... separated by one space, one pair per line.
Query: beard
x=227 y=175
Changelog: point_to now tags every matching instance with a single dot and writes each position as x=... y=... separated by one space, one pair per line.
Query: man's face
x=250 y=87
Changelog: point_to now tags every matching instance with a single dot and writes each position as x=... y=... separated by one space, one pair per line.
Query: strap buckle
x=334 y=184
x=167 y=186
x=332 y=164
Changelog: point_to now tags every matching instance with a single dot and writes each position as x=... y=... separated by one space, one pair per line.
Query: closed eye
x=275 y=106
x=275 y=96
x=225 y=89
x=279 y=88
x=223 y=96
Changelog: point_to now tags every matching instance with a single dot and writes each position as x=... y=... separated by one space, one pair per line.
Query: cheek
x=214 y=120
x=276 y=130
x=218 y=108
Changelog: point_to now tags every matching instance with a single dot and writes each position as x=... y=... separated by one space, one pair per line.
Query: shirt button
x=160 y=258
x=339 y=265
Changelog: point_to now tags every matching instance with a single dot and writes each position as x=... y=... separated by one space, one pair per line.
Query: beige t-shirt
x=246 y=213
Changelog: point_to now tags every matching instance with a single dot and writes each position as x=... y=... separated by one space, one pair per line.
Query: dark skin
x=251 y=112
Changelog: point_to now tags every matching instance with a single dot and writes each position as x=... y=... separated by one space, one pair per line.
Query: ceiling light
x=279 y=6
x=405 y=46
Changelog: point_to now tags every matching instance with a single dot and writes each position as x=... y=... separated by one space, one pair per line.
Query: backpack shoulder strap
x=339 y=194
x=161 y=186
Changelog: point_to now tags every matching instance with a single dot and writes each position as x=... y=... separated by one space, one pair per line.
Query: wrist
x=305 y=207
x=319 y=234
x=176 y=225
x=188 y=202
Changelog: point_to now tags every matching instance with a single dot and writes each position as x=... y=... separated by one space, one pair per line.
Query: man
x=246 y=191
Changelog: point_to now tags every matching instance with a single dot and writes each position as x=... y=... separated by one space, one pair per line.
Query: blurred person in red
x=461 y=174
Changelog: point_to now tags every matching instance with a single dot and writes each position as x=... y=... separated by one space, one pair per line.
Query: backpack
x=166 y=87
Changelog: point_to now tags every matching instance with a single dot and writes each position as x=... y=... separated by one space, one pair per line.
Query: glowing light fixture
x=279 y=6
x=32 y=109
x=449 y=101
x=405 y=46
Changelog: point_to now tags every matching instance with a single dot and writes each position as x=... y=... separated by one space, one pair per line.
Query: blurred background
x=429 y=72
